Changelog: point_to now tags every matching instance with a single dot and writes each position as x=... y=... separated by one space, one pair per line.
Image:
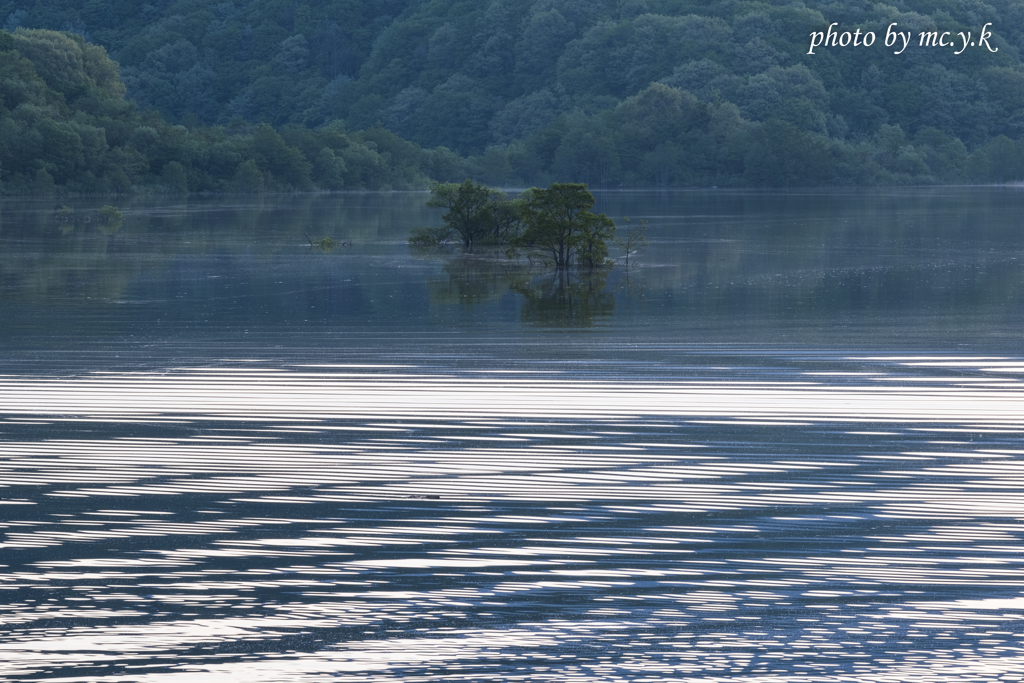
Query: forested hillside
x=65 y=125
x=609 y=92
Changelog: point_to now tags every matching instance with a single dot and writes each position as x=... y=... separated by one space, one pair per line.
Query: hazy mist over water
x=784 y=447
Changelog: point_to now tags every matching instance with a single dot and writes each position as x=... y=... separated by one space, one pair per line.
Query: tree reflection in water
x=476 y=278
x=557 y=298
x=566 y=298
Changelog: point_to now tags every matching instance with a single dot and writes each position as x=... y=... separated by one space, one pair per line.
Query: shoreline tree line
x=305 y=95
x=65 y=126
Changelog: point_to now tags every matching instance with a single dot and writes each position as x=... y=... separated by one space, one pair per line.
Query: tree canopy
x=561 y=227
x=611 y=93
x=65 y=125
x=553 y=224
x=471 y=210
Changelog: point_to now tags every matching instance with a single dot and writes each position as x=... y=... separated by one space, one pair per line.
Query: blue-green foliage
x=608 y=92
x=65 y=125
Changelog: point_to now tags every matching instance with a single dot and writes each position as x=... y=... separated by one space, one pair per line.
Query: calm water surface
x=785 y=447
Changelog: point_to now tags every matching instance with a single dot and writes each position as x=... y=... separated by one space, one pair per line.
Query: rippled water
x=221 y=481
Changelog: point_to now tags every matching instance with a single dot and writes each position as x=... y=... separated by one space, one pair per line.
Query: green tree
x=43 y=183
x=544 y=37
x=59 y=60
x=470 y=209
x=587 y=153
x=329 y=170
x=274 y=156
x=174 y=177
x=441 y=164
x=248 y=179
x=111 y=219
x=780 y=154
x=560 y=226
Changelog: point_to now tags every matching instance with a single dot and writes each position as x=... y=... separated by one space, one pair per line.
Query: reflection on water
x=830 y=519
x=566 y=298
x=474 y=279
x=787 y=447
x=928 y=268
x=563 y=298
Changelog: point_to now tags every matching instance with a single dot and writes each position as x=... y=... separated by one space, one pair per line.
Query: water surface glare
x=784 y=445
x=834 y=518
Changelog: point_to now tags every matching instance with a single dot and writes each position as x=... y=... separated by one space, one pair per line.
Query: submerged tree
x=476 y=214
x=111 y=219
x=633 y=241
x=562 y=229
x=470 y=209
x=555 y=225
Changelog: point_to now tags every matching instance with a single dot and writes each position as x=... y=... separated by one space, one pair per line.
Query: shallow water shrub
x=110 y=214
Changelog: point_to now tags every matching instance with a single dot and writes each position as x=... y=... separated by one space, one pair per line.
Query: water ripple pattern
x=842 y=519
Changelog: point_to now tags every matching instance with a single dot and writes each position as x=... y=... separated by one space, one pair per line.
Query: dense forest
x=66 y=125
x=613 y=93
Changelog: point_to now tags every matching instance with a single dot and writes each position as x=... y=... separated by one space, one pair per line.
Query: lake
x=784 y=445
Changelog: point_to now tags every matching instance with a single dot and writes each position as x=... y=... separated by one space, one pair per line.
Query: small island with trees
x=554 y=226
x=545 y=244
